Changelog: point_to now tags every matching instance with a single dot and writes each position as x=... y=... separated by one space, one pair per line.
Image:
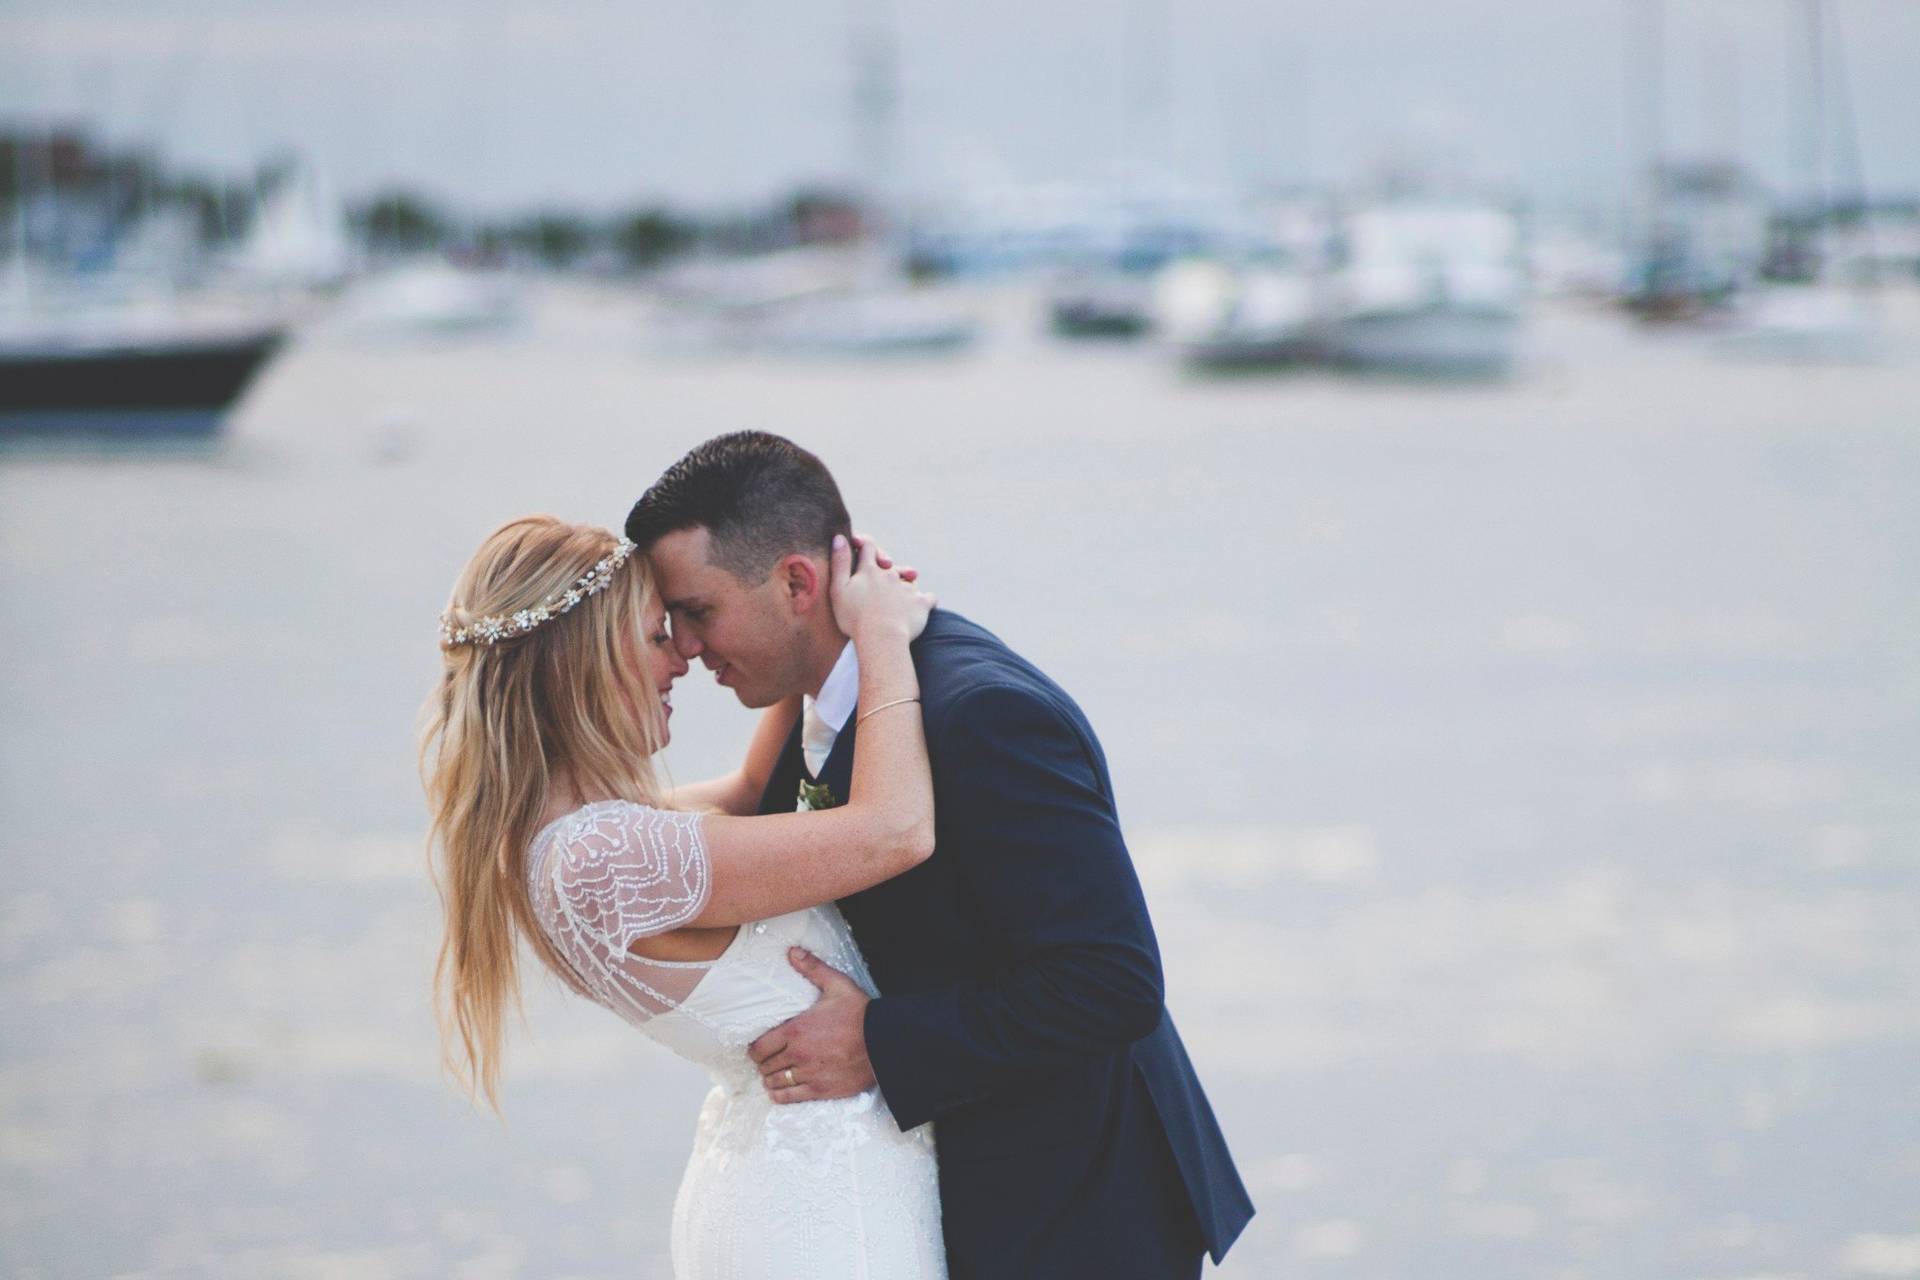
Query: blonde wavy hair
x=570 y=703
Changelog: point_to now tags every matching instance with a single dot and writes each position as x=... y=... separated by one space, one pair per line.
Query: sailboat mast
x=1852 y=193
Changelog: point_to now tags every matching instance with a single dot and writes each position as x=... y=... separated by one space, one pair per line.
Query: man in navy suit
x=1021 y=996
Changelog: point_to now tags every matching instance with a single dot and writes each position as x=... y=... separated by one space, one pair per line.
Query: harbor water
x=1521 y=775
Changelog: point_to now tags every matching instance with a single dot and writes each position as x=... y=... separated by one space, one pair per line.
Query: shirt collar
x=841 y=691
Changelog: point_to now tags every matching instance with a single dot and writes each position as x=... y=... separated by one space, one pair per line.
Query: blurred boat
x=1107 y=304
x=298 y=240
x=863 y=323
x=1130 y=229
x=1801 y=310
x=818 y=301
x=1240 y=316
x=127 y=383
x=431 y=298
x=1668 y=285
x=763 y=280
x=1565 y=262
x=1705 y=239
x=121 y=339
x=846 y=296
x=123 y=353
x=1427 y=288
x=1812 y=322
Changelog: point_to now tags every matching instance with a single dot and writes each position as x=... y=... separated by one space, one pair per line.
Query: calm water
x=1522 y=778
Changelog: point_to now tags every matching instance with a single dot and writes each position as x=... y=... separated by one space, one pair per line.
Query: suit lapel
x=837 y=772
x=783 y=785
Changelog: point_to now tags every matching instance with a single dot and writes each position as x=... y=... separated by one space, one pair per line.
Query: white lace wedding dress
x=806 y=1191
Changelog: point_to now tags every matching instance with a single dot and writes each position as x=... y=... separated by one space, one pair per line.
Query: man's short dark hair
x=758 y=496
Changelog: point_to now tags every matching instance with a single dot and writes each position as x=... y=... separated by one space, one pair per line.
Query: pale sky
x=599 y=103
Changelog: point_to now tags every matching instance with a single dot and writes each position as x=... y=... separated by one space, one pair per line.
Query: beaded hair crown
x=497 y=627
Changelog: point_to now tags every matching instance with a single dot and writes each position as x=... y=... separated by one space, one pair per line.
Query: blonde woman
x=550 y=827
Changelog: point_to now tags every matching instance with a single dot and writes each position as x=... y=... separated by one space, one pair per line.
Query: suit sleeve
x=1020 y=799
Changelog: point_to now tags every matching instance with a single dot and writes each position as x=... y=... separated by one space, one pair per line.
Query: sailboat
x=1090 y=303
x=432 y=298
x=1814 y=317
x=853 y=300
x=299 y=236
x=117 y=356
x=126 y=382
x=1114 y=294
x=1241 y=316
x=1428 y=287
x=1128 y=238
x=845 y=300
x=1670 y=277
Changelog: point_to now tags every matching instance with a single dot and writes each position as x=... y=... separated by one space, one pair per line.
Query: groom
x=1022 y=997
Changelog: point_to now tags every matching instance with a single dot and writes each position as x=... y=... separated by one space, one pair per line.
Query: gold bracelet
x=897 y=702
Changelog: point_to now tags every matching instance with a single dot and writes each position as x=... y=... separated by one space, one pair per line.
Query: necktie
x=816 y=738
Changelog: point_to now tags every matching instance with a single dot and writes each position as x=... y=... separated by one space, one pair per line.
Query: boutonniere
x=817 y=795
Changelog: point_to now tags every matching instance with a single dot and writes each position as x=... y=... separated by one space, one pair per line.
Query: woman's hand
x=907 y=572
x=874 y=592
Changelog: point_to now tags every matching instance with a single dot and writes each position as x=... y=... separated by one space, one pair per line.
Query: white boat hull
x=1435 y=340
x=1240 y=318
x=872 y=324
x=1811 y=323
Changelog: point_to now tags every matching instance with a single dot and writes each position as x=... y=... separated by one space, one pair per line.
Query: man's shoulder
x=960 y=661
x=955 y=655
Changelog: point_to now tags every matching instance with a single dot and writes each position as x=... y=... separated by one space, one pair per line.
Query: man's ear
x=803 y=582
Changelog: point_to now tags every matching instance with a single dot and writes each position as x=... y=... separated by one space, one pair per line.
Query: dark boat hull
x=174 y=386
x=1079 y=319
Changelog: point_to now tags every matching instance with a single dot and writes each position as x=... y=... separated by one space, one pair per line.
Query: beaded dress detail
x=807 y=1191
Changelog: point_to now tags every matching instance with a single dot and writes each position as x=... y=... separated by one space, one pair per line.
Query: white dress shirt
x=825 y=715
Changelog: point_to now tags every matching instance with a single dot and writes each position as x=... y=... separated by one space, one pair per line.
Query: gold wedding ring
x=791 y=1081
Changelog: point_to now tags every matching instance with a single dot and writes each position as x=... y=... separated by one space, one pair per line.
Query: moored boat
x=1244 y=316
x=1101 y=305
x=128 y=383
x=1428 y=288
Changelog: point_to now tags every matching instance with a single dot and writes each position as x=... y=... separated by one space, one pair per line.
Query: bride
x=549 y=827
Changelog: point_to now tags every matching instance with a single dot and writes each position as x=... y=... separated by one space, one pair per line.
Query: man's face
x=745 y=633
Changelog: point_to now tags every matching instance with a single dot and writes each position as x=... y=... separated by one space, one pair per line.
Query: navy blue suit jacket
x=1021 y=997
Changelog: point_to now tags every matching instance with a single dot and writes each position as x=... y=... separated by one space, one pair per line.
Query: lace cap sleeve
x=615 y=872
